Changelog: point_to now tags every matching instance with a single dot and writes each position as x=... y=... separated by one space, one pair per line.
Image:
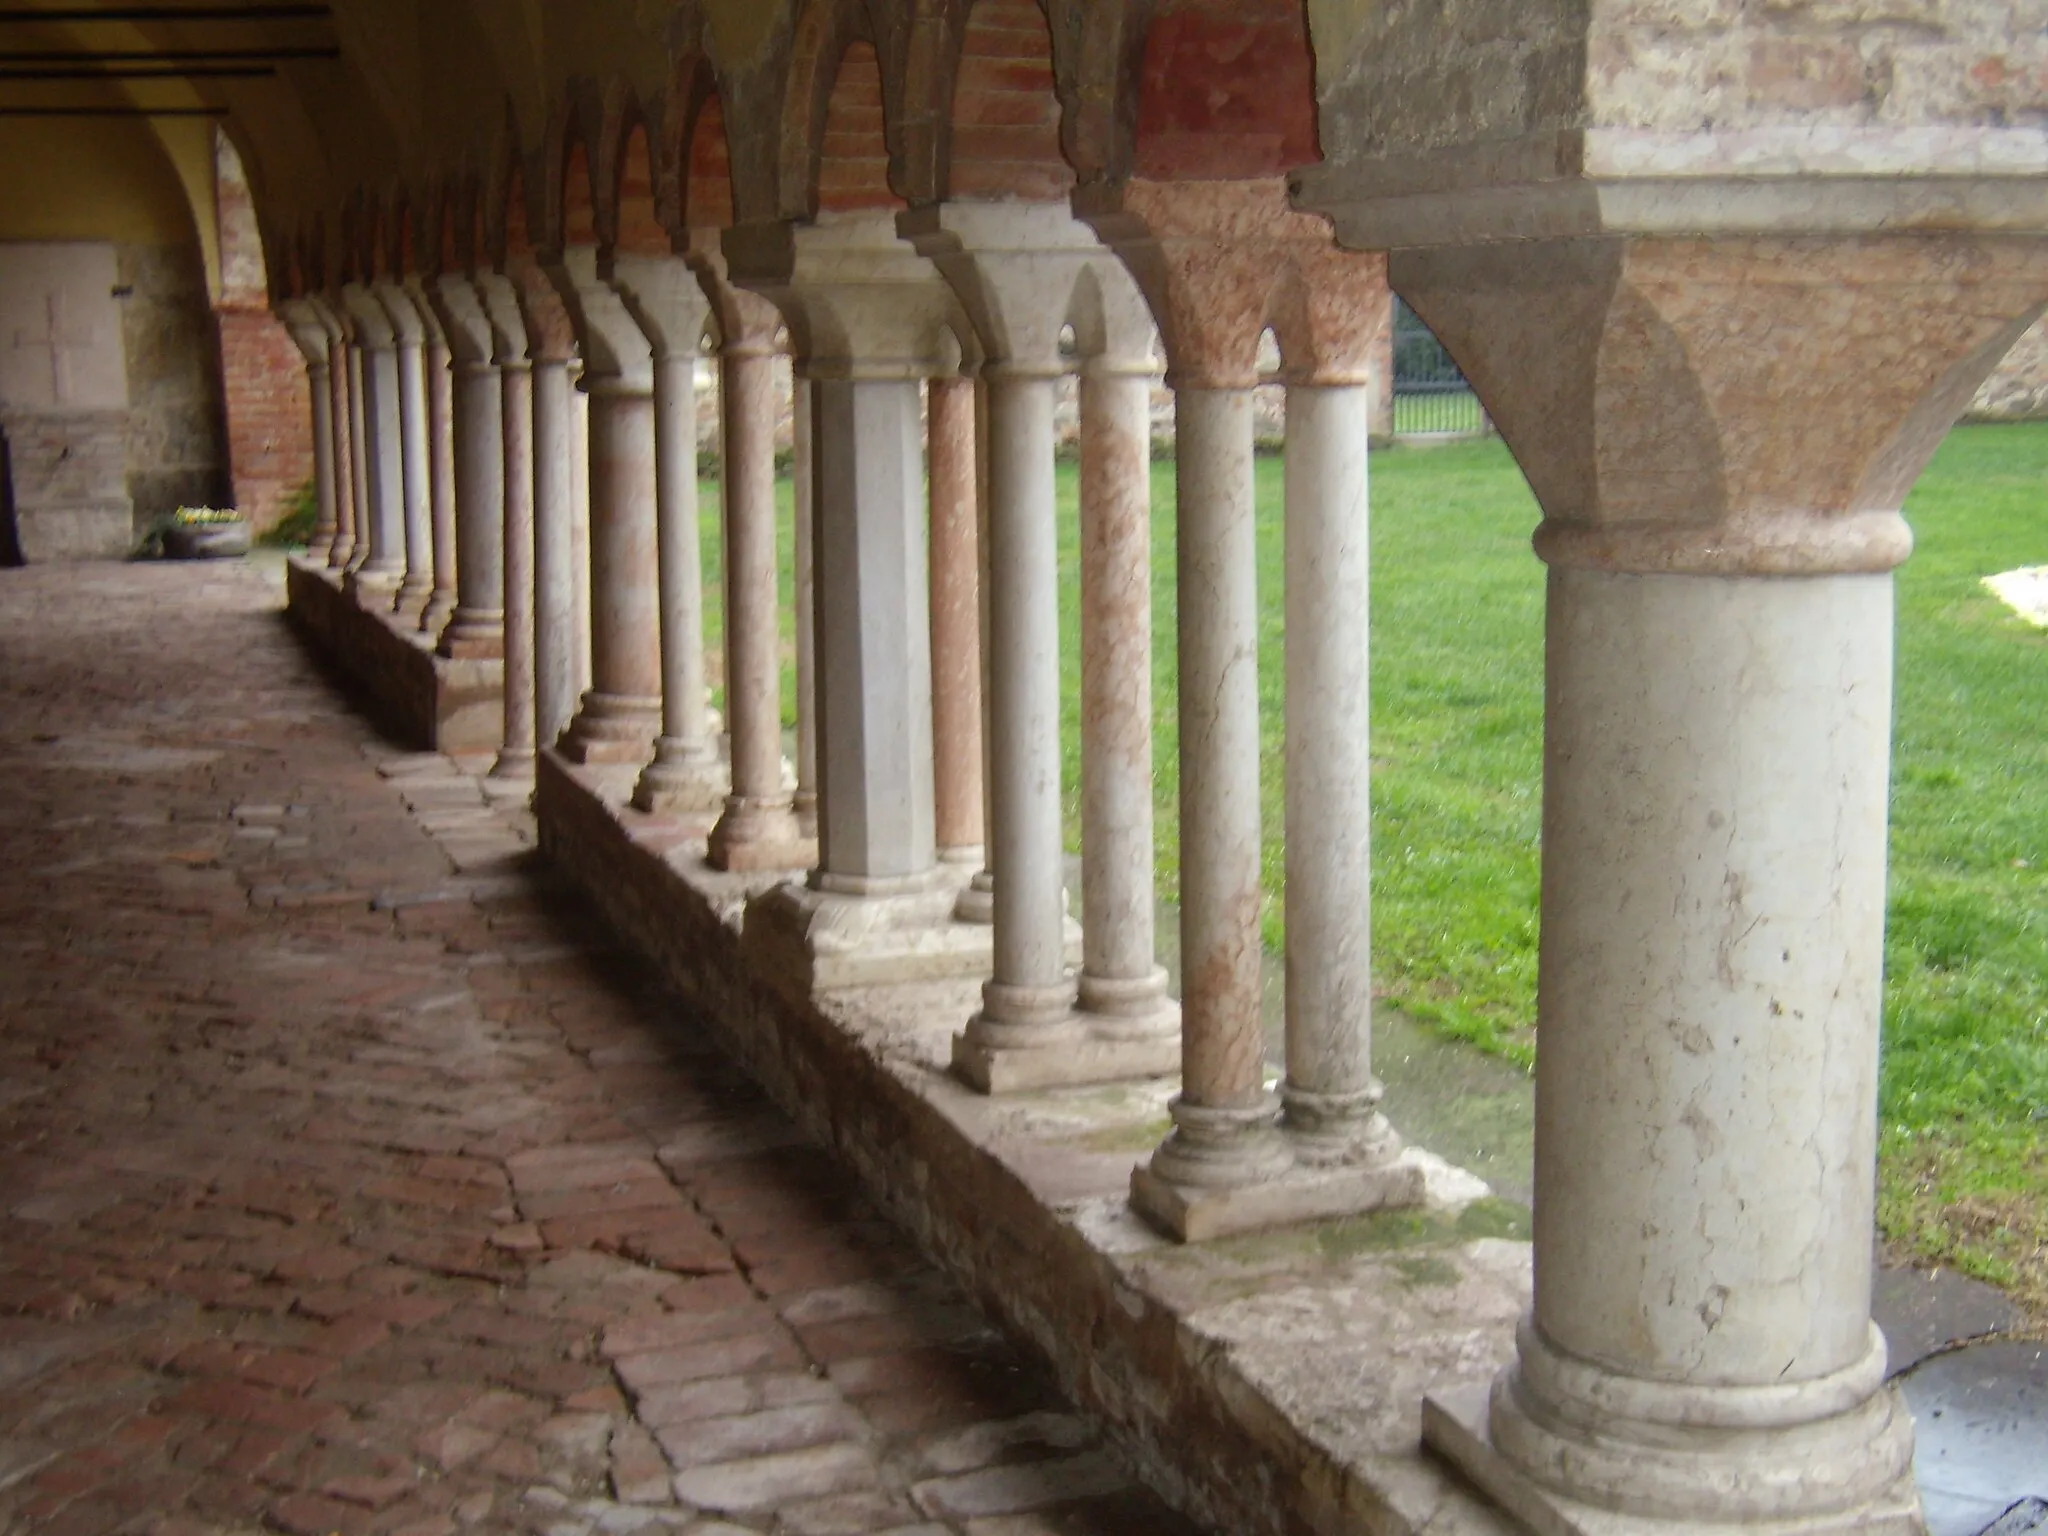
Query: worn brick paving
x=352 y=1181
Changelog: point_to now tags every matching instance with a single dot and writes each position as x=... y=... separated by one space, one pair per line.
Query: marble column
x=359 y=457
x=669 y=304
x=802 y=474
x=377 y=577
x=1223 y=1118
x=977 y=903
x=515 y=759
x=579 y=527
x=342 y=428
x=620 y=713
x=1718 y=681
x=441 y=458
x=758 y=829
x=415 y=455
x=956 y=620
x=476 y=629
x=1122 y=983
x=555 y=684
x=1028 y=1003
x=1330 y=1095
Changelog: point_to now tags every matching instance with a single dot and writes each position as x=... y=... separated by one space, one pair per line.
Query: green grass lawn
x=1457 y=721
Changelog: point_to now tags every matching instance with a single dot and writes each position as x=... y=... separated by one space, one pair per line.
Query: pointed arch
x=1003 y=111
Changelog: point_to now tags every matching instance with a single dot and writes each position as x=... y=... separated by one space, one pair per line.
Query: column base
x=818 y=940
x=1194 y=1213
x=977 y=903
x=372 y=589
x=1456 y=1425
x=473 y=636
x=439 y=610
x=612 y=728
x=681 y=779
x=1082 y=1057
x=410 y=601
x=805 y=804
x=753 y=836
x=511 y=775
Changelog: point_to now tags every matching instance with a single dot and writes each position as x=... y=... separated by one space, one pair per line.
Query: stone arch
x=1225 y=95
x=627 y=176
x=706 y=166
x=1108 y=316
x=825 y=30
x=1003 y=112
x=852 y=165
x=566 y=213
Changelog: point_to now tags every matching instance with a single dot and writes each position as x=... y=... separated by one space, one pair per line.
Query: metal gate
x=1430 y=394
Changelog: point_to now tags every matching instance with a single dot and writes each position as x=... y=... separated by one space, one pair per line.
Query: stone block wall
x=69 y=489
x=176 y=446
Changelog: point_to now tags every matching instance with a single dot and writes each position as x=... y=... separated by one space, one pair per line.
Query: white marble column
x=579 y=527
x=1122 y=984
x=758 y=829
x=1028 y=1002
x=1330 y=1095
x=415 y=455
x=956 y=620
x=441 y=458
x=555 y=684
x=515 y=759
x=802 y=473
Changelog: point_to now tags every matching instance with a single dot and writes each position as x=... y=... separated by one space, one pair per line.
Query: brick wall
x=1006 y=116
x=270 y=427
x=853 y=171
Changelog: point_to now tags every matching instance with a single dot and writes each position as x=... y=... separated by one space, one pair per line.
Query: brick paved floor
x=352 y=1182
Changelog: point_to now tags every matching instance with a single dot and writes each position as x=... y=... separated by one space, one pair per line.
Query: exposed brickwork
x=708 y=197
x=353 y=1183
x=270 y=425
x=1006 y=116
x=853 y=169
x=1226 y=95
x=579 y=212
x=640 y=232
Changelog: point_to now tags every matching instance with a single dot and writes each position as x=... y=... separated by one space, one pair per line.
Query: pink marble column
x=515 y=760
x=803 y=488
x=759 y=829
x=956 y=620
x=622 y=711
x=343 y=548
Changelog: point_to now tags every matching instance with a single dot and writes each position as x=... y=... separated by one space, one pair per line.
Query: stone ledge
x=424 y=700
x=1268 y=1384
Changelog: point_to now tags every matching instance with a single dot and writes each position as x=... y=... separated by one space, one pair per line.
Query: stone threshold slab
x=1268 y=1383
x=426 y=701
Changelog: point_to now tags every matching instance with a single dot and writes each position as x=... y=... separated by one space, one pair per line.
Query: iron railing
x=1430 y=394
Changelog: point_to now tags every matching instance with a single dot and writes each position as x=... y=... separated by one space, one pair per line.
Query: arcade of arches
x=1722 y=275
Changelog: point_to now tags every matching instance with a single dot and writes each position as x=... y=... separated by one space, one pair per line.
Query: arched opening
x=707 y=169
x=640 y=229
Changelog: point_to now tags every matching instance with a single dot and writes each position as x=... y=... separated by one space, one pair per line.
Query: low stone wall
x=1269 y=1384
x=421 y=699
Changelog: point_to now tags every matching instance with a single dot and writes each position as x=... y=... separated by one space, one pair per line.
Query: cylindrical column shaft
x=803 y=463
x=320 y=393
x=1223 y=1118
x=621 y=712
x=956 y=620
x=1330 y=1094
x=515 y=761
x=416 y=471
x=441 y=483
x=341 y=423
x=1030 y=992
x=1715 y=775
x=554 y=550
x=360 y=452
x=478 y=625
x=759 y=827
x=383 y=417
x=579 y=531
x=1121 y=978
x=685 y=774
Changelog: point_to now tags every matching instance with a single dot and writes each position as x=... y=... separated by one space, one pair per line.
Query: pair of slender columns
x=377 y=416
x=415 y=487
x=304 y=324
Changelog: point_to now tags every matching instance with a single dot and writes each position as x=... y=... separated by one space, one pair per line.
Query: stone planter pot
x=206 y=541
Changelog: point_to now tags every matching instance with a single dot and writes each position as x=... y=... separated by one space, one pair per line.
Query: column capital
x=528 y=312
x=611 y=340
x=861 y=302
x=369 y=322
x=1220 y=261
x=1024 y=273
x=1736 y=406
x=666 y=301
x=402 y=306
x=308 y=332
x=747 y=322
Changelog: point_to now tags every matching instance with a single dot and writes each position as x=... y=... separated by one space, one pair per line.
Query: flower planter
x=206 y=541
